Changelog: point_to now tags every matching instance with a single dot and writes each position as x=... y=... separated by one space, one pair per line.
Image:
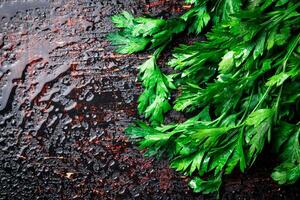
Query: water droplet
x=70 y=105
x=89 y=96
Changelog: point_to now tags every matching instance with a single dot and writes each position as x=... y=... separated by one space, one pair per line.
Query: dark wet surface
x=65 y=99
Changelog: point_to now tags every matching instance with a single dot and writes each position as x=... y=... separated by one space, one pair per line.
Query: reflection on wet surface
x=52 y=54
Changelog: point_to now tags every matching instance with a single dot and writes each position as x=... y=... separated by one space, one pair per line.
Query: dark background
x=65 y=99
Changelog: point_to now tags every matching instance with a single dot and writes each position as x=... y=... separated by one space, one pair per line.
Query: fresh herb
x=244 y=81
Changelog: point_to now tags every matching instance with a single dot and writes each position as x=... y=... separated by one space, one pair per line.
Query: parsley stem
x=158 y=51
x=262 y=99
x=247 y=109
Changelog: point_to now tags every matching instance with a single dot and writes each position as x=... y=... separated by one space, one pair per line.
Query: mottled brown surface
x=65 y=99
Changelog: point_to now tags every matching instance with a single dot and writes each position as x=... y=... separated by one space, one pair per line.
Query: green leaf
x=277 y=79
x=282 y=134
x=140 y=130
x=291 y=150
x=240 y=152
x=197 y=161
x=153 y=102
x=228 y=8
x=259 y=116
x=157 y=137
x=128 y=45
x=260 y=45
x=156 y=109
x=271 y=38
x=123 y=20
x=220 y=160
x=166 y=34
x=198 y=17
x=210 y=132
x=227 y=62
x=261 y=120
x=281 y=2
x=206 y=186
x=147 y=26
x=286 y=173
x=283 y=35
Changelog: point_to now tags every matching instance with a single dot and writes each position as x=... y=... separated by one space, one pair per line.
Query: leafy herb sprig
x=244 y=81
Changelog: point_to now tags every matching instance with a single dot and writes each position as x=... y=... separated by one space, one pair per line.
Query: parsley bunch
x=242 y=85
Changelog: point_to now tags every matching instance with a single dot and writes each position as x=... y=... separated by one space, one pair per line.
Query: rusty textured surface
x=65 y=99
